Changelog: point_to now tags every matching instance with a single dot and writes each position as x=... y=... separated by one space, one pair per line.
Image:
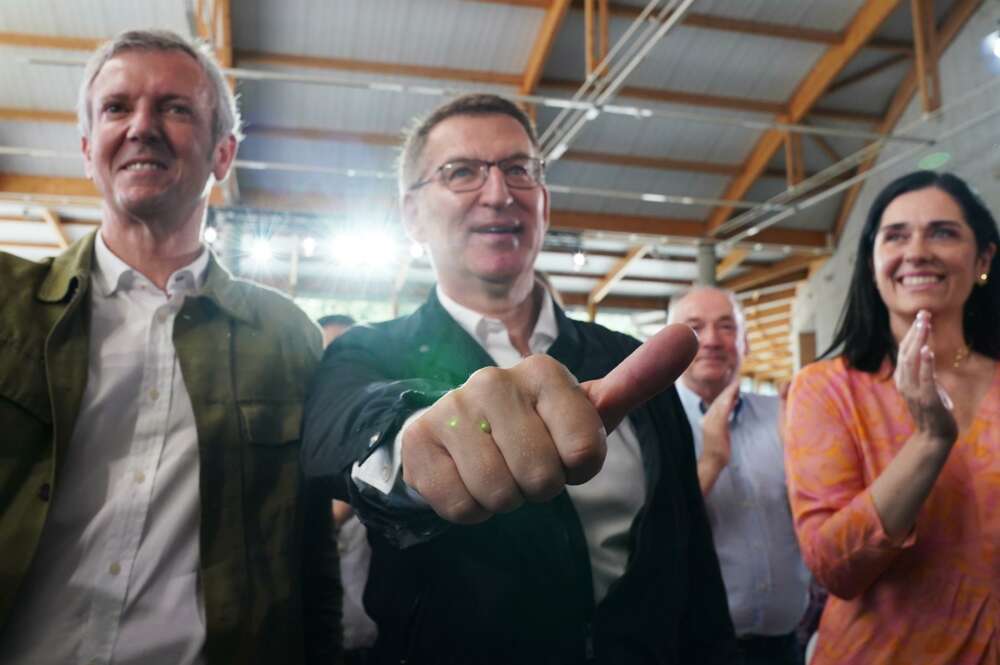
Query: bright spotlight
x=260 y=251
x=579 y=260
x=308 y=247
x=416 y=250
x=372 y=249
x=992 y=43
x=210 y=235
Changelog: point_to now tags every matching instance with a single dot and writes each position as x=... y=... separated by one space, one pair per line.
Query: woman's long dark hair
x=863 y=333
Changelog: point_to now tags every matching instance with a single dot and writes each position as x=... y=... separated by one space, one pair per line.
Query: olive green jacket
x=246 y=354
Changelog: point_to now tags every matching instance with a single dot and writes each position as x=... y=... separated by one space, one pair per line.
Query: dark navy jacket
x=516 y=588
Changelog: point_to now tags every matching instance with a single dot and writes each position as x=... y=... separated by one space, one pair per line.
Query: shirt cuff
x=382 y=472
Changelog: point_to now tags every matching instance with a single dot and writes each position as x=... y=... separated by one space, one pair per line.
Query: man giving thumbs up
x=529 y=486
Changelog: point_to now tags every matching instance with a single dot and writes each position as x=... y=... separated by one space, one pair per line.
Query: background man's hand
x=507 y=436
x=715 y=451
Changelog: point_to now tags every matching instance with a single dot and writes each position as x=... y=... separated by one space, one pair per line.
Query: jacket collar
x=233 y=296
x=73 y=268
x=449 y=346
x=68 y=270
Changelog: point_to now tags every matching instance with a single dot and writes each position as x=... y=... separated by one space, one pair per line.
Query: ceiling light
x=579 y=260
x=374 y=249
x=752 y=231
x=558 y=151
x=210 y=235
x=654 y=198
x=260 y=251
x=308 y=246
x=933 y=161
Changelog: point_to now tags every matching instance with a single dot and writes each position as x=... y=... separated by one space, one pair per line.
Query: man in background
x=333 y=326
x=150 y=402
x=359 y=631
x=742 y=476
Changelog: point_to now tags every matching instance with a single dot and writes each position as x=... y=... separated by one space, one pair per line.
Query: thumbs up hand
x=524 y=433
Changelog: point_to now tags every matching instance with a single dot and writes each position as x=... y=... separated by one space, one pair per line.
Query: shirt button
x=424 y=348
x=44 y=491
x=154 y=394
x=139 y=477
x=386 y=473
x=115 y=568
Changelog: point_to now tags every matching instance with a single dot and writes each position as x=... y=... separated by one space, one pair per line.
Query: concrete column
x=706 y=264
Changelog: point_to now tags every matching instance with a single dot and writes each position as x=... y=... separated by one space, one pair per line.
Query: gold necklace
x=960 y=356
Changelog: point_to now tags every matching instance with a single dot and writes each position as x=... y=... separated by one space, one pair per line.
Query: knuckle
x=543 y=484
x=459 y=509
x=584 y=452
x=502 y=499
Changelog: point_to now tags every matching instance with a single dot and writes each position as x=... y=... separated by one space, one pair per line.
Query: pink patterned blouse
x=933 y=597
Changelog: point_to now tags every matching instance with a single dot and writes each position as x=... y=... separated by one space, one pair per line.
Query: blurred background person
x=333 y=326
x=893 y=450
x=359 y=631
x=742 y=477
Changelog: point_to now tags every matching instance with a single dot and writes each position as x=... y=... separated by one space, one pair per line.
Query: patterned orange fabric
x=932 y=597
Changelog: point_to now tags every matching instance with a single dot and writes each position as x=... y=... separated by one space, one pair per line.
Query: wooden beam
x=626 y=278
x=54 y=223
x=794 y=158
x=926 y=61
x=372 y=67
x=759 y=276
x=641 y=303
x=783 y=310
x=749 y=27
x=688 y=228
x=9 y=114
x=16 y=183
x=15 y=245
x=76 y=188
x=602 y=22
x=754 y=299
x=588 y=38
x=553 y=20
x=862 y=27
x=958 y=15
x=601 y=290
x=868 y=72
x=49 y=41
x=730 y=262
x=312 y=134
x=677 y=97
x=661 y=163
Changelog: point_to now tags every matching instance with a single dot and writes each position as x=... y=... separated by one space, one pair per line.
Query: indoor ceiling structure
x=685 y=140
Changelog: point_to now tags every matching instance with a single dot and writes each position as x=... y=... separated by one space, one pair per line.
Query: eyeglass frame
x=437 y=173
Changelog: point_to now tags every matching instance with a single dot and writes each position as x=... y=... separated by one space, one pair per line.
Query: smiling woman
x=894 y=446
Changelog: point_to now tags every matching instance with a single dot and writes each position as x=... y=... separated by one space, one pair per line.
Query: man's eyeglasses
x=467 y=175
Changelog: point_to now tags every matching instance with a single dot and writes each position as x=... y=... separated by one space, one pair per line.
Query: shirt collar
x=480 y=326
x=691 y=399
x=111 y=273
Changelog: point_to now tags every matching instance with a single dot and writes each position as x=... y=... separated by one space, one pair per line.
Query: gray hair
x=741 y=319
x=475 y=104
x=225 y=113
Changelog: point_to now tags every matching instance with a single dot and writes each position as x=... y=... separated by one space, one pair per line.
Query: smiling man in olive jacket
x=150 y=403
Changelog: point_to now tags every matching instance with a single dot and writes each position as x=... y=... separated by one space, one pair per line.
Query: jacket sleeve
x=841 y=534
x=357 y=402
x=706 y=630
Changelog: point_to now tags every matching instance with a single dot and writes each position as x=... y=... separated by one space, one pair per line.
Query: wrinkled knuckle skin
x=542 y=486
x=484 y=380
x=460 y=510
x=503 y=499
x=585 y=453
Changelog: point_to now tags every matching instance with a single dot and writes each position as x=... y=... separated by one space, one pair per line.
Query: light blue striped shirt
x=766 y=581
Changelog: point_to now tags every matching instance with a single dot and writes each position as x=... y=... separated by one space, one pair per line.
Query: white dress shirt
x=115 y=578
x=606 y=504
x=767 y=583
